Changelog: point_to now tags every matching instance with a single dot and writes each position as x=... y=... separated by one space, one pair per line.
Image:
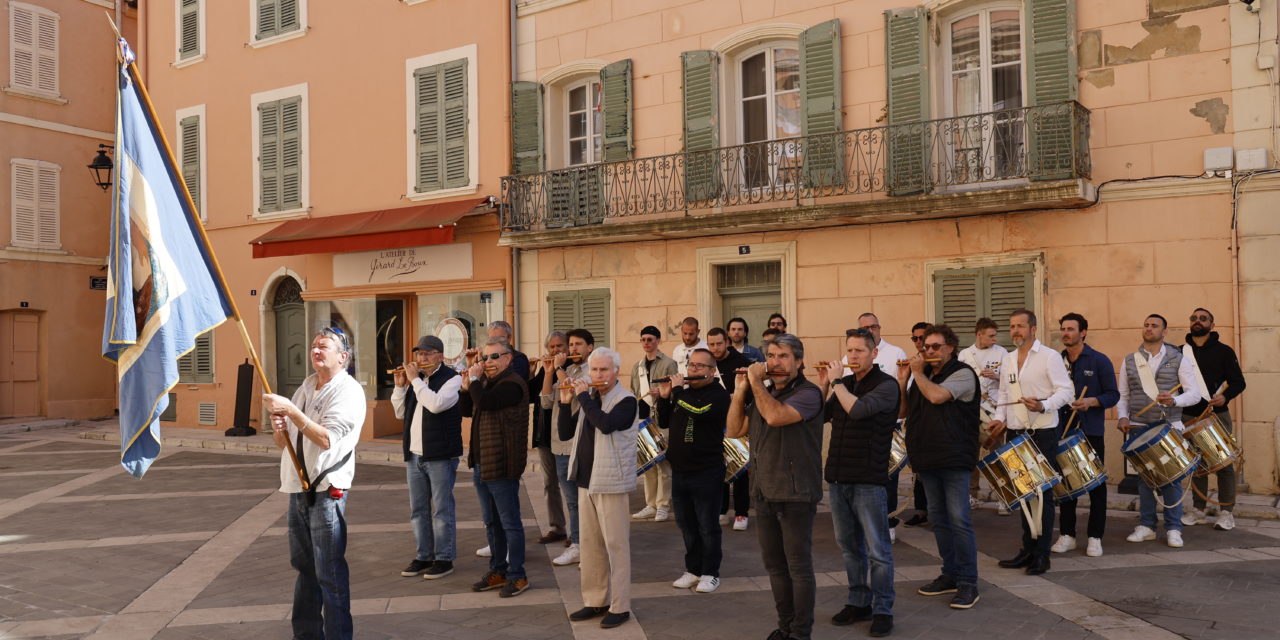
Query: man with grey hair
x=782 y=411
x=603 y=466
x=519 y=361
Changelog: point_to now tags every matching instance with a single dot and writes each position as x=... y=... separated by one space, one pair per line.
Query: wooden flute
x=593 y=385
x=668 y=379
x=426 y=368
x=903 y=363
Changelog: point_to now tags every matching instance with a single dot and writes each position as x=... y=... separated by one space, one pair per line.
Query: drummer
x=1218 y=365
x=1163 y=368
x=1033 y=385
x=655 y=364
x=695 y=417
x=1094 y=377
x=728 y=360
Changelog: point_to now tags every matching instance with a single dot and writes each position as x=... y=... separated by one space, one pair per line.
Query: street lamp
x=101 y=167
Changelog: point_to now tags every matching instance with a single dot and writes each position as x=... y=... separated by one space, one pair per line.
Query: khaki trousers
x=605 y=529
x=657 y=486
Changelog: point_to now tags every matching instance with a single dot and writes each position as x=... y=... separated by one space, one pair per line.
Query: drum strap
x=1145 y=375
x=1033 y=520
x=1190 y=354
x=1024 y=415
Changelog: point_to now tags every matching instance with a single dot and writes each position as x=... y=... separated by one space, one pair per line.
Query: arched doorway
x=291 y=337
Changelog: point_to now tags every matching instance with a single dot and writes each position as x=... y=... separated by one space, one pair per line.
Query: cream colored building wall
x=75 y=382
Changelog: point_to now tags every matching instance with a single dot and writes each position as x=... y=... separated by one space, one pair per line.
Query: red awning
x=387 y=229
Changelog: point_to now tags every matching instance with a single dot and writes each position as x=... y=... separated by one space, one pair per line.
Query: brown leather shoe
x=489 y=581
x=553 y=536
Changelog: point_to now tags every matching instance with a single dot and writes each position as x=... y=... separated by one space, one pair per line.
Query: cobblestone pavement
x=197 y=549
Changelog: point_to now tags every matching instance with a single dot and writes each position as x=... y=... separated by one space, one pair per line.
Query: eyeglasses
x=699 y=365
x=936 y=346
x=1201 y=318
x=492 y=356
x=917 y=338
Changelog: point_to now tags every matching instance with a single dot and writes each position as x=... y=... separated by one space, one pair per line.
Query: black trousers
x=694 y=497
x=1097 y=501
x=1046 y=440
x=785 y=533
x=741 y=495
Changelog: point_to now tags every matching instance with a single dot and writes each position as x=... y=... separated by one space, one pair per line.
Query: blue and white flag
x=162 y=286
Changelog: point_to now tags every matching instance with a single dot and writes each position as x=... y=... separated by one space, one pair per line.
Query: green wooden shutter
x=907 y=64
x=961 y=296
x=291 y=153
x=268 y=18
x=196 y=366
x=1051 y=78
x=454 y=152
x=288 y=18
x=957 y=295
x=615 y=82
x=526 y=128
x=1008 y=288
x=427 y=128
x=593 y=305
x=701 y=77
x=820 y=96
x=189 y=34
x=189 y=130
x=562 y=310
x=269 y=157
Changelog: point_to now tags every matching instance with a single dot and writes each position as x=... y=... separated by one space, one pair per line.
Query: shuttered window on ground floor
x=584 y=308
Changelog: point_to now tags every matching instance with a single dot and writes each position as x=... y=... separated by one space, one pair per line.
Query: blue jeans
x=568 y=489
x=948 y=491
x=431 y=510
x=1170 y=494
x=500 y=510
x=695 y=497
x=861 y=521
x=317 y=550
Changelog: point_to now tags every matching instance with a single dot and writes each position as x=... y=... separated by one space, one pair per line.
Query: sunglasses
x=917 y=338
x=933 y=346
x=1201 y=318
x=492 y=356
x=339 y=335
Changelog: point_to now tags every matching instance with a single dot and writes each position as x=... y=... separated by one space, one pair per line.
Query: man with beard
x=654 y=365
x=728 y=362
x=1215 y=364
x=689 y=340
x=737 y=330
x=1033 y=385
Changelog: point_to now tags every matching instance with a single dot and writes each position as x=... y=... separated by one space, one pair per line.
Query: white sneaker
x=725 y=519
x=739 y=524
x=484 y=552
x=570 y=556
x=893 y=535
x=973 y=502
x=707 y=584
x=1095 y=548
x=1141 y=534
x=661 y=515
x=1001 y=510
x=644 y=514
x=1064 y=544
x=1174 y=539
x=1192 y=516
x=1226 y=521
x=686 y=581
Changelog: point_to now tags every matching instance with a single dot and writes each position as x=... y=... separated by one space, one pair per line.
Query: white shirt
x=1042 y=376
x=990 y=358
x=435 y=402
x=339 y=408
x=887 y=357
x=1186 y=376
x=681 y=355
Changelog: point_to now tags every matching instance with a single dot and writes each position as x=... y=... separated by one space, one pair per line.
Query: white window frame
x=411 y=118
x=178 y=62
x=944 y=51
x=37 y=166
x=303 y=27
x=35 y=91
x=182 y=114
x=731 y=133
x=591 y=132
x=304 y=188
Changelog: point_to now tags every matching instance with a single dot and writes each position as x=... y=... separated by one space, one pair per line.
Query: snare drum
x=737 y=458
x=1216 y=445
x=1082 y=471
x=1161 y=456
x=897 y=453
x=1017 y=470
x=651 y=446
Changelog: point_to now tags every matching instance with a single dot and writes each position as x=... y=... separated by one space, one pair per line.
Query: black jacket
x=861 y=438
x=695 y=419
x=733 y=361
x=943 y=436
x=1218 y=364
x=541 y=417
x=441 y=432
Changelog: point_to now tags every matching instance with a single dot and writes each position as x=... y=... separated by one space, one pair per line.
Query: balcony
x=1034 y=157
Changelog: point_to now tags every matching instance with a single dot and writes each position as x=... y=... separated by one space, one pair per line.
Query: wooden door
x=19 y=364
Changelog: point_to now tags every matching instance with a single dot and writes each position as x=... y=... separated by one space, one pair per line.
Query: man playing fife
x=863 y=410
x=544 y=437
x=654 y=365
x=1150 y=375
x=694 y=417
x=784 y=419
x=1033 y=380
x=728 y=361
x=603 y=465
x=323 y=422
x=1215 y=365
x=432 y=444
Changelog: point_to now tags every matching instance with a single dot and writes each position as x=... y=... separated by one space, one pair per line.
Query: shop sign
x=408 y=264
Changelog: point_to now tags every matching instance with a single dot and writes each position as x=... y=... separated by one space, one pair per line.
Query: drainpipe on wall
x=514 y=253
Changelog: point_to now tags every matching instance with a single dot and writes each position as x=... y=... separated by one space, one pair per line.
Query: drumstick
x=1009 y=404
x=1155 y=402
x=1209 y=408
x=1072 y=417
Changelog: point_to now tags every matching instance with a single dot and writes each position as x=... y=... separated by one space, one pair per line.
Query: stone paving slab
x=24 y=484
x=87 y=460
x=51 y=521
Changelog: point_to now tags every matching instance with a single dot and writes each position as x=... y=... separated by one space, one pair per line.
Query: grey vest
x=786 y=462
x=1166 y=379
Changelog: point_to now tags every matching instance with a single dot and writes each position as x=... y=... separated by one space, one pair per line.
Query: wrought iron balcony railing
x=982 y=150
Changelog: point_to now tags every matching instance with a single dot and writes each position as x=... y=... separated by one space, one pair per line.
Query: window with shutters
x=196 y=367
x=984 y=85
x=189 y=32
x=277 y=20
x=36 y=216
x=588 y=309
x=280 y=142
x=191 y=153
x=962 y=296
x=767 y=86
x=584 y=122
x=441 y=122
x=33 y=50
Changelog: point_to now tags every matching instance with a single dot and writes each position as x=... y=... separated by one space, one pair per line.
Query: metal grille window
x=749 y=275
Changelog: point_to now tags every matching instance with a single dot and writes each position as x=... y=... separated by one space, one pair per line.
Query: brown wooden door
x=19 y=364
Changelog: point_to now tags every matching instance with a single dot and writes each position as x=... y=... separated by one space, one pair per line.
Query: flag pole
x=213 y=258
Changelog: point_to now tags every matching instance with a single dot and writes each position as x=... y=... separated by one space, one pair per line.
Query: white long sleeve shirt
x=428 y=400
x=1042 y=376
x=339 y=408
x=990 y=358
x=1186 y=377
x=681 y=355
